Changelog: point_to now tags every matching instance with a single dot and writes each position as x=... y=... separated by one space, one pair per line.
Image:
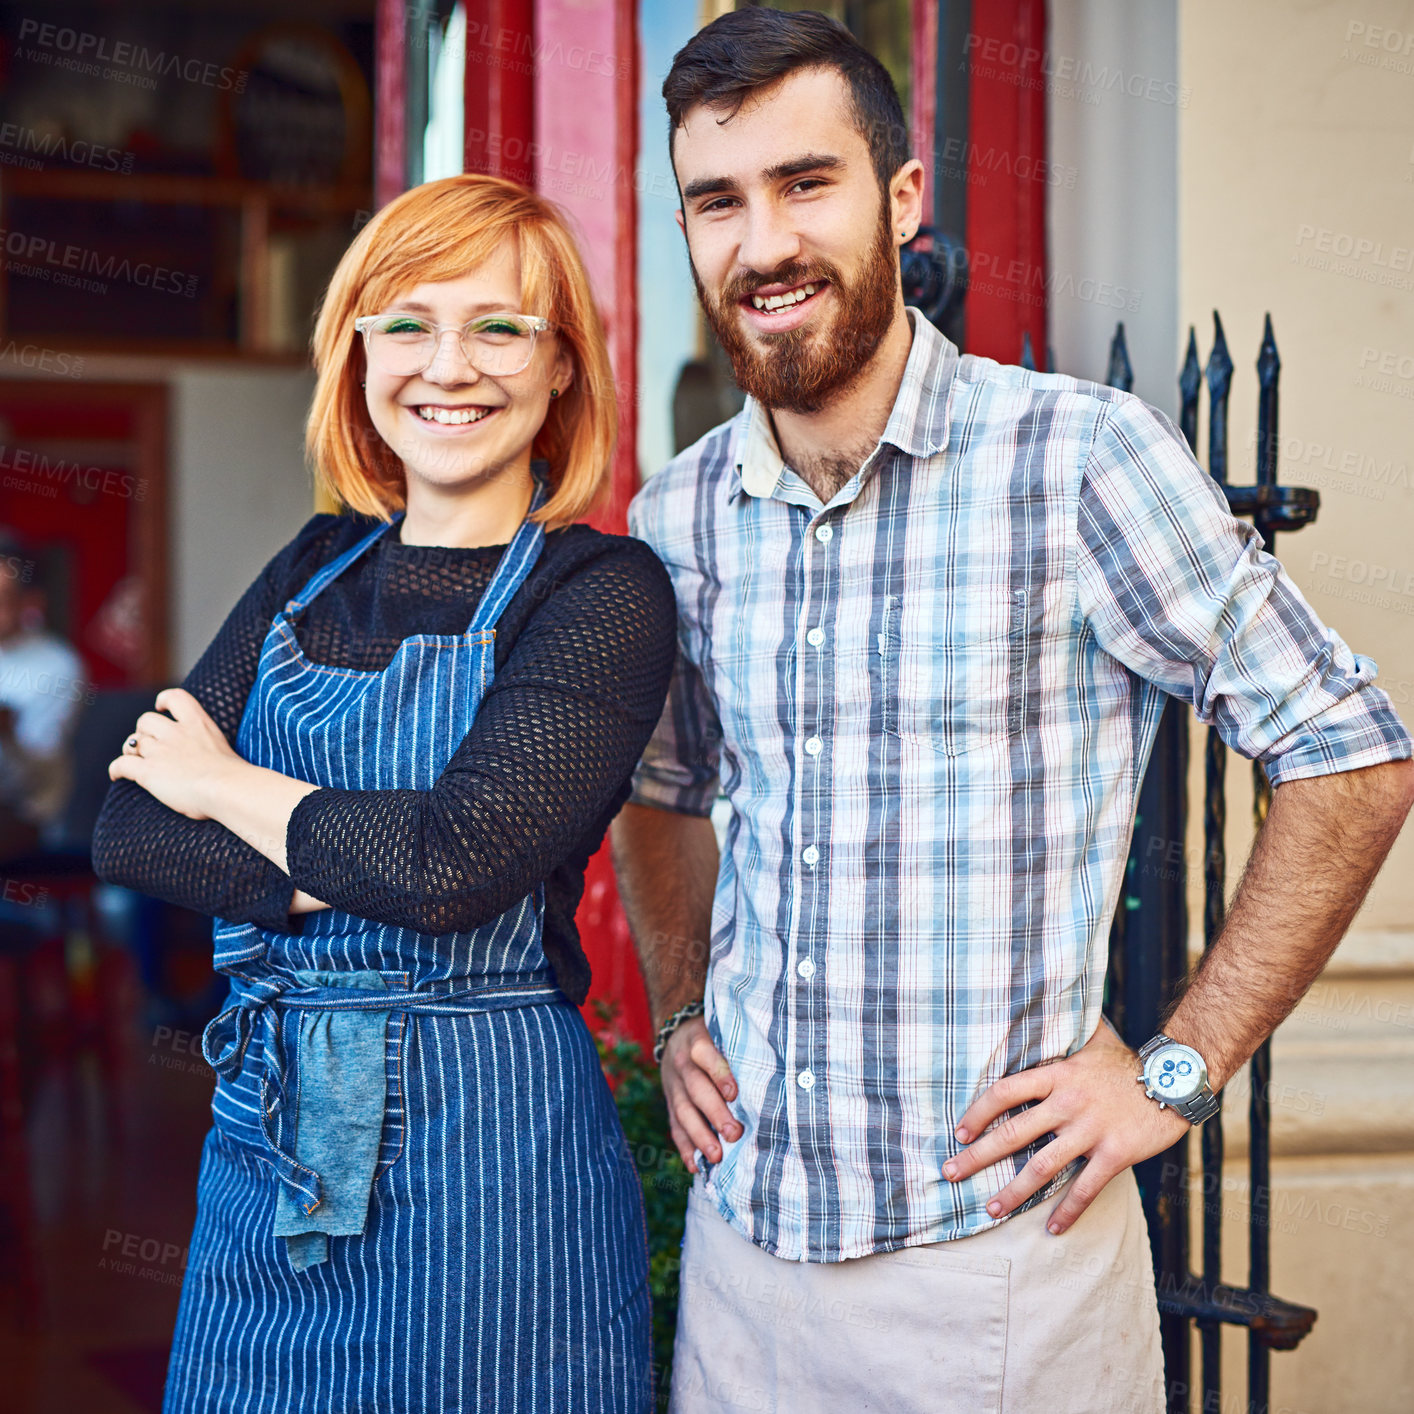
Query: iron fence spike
x=1121 y=373
x=1190 y=382
x=1219 y=375
x=1268 y=374
x=1191 y=374
x=1268 y=359
x=1219 y=369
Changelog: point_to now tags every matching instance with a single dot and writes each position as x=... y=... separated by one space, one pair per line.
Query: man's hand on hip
x=1093 y=1105
x=698 y=1084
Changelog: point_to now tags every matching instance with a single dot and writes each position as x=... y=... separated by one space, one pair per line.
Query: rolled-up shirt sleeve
x=1183 y=594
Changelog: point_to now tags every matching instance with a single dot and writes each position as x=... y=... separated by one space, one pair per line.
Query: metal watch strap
x=1153 y=1043
x=1201 y=1107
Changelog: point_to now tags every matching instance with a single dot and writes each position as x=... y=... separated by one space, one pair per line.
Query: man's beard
x=800 y=370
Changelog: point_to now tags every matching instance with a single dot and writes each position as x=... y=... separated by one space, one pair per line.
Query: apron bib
x=315 y=1111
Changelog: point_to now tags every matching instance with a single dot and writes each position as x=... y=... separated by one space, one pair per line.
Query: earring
x=554 y=392
x=363 y=385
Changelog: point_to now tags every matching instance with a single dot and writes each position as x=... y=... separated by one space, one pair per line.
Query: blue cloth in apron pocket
x=415 y=1195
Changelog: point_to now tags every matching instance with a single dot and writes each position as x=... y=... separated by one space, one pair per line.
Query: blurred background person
x=42 y=689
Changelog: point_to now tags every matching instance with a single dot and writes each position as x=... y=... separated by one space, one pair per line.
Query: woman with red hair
x=384 y=779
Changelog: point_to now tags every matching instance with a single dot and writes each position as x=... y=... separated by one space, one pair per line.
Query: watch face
x=1175 y=1073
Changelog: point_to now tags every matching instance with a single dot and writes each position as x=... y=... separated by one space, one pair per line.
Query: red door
x=83 y=486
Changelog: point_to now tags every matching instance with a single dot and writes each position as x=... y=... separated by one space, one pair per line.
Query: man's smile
x=772 y=309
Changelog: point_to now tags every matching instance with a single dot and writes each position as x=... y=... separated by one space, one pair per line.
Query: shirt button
x=814 y=746
x=806 y=969
x=815 y=637
x=810 y=854
x=824 y=532
x=806 y=1079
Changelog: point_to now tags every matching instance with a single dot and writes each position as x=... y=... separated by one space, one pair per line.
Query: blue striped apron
x=415 y=1194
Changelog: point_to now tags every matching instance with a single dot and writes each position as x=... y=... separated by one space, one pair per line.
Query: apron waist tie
x=325 y=1184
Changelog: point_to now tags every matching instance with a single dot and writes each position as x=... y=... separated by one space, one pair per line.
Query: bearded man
x=929 y=608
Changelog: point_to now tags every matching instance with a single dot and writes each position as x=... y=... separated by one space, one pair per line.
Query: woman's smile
x=443 y=419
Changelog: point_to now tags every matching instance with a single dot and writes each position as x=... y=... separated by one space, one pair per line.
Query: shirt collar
x=917 y=425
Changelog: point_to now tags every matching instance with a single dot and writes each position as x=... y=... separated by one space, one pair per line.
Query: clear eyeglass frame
x=482 y=359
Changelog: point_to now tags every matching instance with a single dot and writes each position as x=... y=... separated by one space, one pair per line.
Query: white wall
x=1113 y=104
x=239 y=489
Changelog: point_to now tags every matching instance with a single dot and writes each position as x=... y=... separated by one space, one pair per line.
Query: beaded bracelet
x=683 y=1013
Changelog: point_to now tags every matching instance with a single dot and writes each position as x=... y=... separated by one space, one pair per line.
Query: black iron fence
x=1149 y=948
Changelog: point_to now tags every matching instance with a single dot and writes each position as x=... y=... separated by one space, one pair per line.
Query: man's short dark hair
x=744 y=50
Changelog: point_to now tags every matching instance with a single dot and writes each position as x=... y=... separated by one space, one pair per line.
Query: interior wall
x=240 y=489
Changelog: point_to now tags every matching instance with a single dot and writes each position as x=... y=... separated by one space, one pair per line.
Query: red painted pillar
x=498 y=95
x=586 y=139
x=389 y=102
x=924 y=19
x=1006 y=204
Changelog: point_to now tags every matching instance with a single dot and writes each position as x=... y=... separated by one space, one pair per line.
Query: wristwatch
x=1176 y=1076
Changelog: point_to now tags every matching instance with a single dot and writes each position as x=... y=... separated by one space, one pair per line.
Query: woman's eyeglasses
x=401 y=345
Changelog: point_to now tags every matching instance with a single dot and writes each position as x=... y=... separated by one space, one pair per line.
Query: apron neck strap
x=515 y=564
x=322 y=578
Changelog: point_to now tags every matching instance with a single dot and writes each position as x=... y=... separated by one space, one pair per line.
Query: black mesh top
x=583 y=655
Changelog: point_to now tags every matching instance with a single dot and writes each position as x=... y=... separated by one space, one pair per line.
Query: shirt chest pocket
x=957 y=682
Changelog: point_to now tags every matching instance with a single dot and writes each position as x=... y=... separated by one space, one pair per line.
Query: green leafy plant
x=638 y=1093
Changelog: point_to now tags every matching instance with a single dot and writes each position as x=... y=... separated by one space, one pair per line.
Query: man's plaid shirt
x=930 y=704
